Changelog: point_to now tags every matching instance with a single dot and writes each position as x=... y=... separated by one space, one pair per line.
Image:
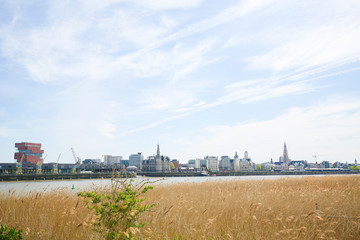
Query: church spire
x=285 y=155
x=158 y=150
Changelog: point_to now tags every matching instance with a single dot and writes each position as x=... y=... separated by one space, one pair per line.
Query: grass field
x=288 y=208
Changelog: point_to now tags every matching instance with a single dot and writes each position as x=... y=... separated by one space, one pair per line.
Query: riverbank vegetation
x=287 y=208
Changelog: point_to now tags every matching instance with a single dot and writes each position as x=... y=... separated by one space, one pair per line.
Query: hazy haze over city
x=198 y=77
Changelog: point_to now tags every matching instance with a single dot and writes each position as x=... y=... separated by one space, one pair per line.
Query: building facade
x=246 y=164
x=157 y=163
x=111 y=160
x=225 y=163
x=236 y=163
x=286 y=158
x=195 y=164
x=29 y=152
x=92 y=161
x=136 y=160
x=212 y=163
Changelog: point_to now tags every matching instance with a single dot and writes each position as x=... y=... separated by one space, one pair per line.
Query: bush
x=117 y=211
x=9 y=234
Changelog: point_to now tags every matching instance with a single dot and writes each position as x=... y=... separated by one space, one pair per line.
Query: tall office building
x=225 y=163
x=31 y=151
x=136 y=160
x=212 y=163
x=285 y=155
x=111 y=160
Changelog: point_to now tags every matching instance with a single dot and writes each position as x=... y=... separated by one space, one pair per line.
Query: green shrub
x=118 y=210
x=9 y=234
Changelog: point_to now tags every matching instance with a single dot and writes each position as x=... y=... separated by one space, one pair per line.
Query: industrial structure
x=29 y=152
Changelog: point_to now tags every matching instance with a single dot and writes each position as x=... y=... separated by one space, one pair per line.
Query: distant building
x=191 y=164
x=225 y=163
x=111 y=160
x=298 y=165
x=176 y=164
x=326 y=164
x=246 y=164
x=236 y=162
x=92 y=161
x=195 y=163
x=136 y=160
x=30 y=152
x=203 y=164
x=268 y=166
x=157 y=163
x=124 y=162
x=281 y=166
x=212 y=163
x=286 y=158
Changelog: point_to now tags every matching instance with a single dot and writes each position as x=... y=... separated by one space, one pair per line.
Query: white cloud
x=329 y=127
x=324 y=39
x=8 y=132
x=166 y=5
x=179 y=61
x=251 y=91
x=168 y=99
x=106 y=129
x=122 y=60
x=200 y=103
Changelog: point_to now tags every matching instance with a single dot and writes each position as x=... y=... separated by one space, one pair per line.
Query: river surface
x=76 y=185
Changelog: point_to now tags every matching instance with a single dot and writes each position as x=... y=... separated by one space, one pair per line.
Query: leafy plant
x=9 y=233
x=117 y=210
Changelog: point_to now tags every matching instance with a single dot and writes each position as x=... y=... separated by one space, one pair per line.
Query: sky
x=118 y=77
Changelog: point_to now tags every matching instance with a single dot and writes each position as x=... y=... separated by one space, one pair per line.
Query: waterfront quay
x=69 y=176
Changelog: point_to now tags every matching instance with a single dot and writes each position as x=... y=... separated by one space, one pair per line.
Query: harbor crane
x=39 y=164
x=77 y=161
x=19 y=169
x=76 y=158
x=55 y=169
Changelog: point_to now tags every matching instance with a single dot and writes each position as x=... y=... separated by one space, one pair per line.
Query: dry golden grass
x=51 y=215
x=267 y=209
x=279 y=209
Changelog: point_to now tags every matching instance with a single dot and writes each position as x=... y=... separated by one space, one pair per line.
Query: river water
x=76 y=185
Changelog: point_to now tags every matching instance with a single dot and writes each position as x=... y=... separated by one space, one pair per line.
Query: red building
x=31 y=151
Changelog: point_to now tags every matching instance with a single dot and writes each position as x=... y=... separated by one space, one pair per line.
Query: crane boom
x=22 y=158
x=58 y=159
x=76 y=158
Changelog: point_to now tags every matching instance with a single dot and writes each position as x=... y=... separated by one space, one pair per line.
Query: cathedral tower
x=285 y=155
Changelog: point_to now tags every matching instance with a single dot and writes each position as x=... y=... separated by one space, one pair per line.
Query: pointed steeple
x=236 y=155
x=158 y=150
x=285 y=155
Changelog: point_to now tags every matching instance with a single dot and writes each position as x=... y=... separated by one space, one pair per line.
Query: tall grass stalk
x=289 y=208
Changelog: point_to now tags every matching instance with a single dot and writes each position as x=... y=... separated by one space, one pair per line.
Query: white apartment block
x=212 y=163
x=110 y=160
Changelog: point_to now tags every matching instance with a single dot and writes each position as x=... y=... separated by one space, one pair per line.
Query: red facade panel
x=32 y=152
x=27 y=144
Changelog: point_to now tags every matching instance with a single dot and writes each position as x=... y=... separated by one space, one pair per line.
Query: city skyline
x=199 y=77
